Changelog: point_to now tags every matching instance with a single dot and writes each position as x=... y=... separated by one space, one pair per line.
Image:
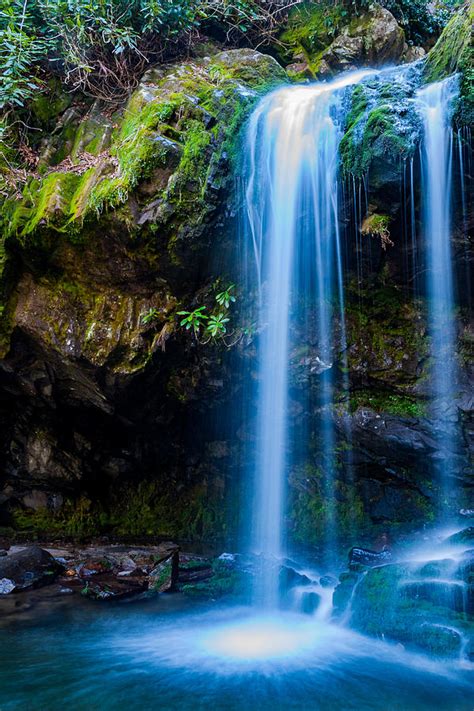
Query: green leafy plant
x=217 y=325
x=102 y=47
x=225 y=298
x=150 y=316
x=193 y=319
x=21 y=49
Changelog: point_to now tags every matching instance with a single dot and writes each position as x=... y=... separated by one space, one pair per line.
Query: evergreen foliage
x=102 y=47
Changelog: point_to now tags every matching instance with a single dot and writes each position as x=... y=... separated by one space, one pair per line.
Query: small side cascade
x=435 y=102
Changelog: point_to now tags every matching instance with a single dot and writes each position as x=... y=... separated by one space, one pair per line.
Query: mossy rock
x=321 y=39
x=381 y=608
x=453 y=53
x=193 y=109
x=145 y=185
x=310 y=30
x=382 y=127
x=226 y=581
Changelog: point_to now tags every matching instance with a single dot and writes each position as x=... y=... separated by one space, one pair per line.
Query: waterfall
x=292 y=208
x=436 y=106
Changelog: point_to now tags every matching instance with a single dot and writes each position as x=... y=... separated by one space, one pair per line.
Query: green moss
x=453 y=50
x=195 y=162
x=260 y=73
x=49 y=104
x=182 y=125
x=138 y=150
x=309 y=509
x=453 y=53
x=45 y=202
x=163 y=576
x=224 y=581
x=76 y=519
x=146 y=509
x=149 y=510
x=310 y=30
x=375 y=136
x=376 y=224
x=389 y=403
x=380 y=607
x=387 y=332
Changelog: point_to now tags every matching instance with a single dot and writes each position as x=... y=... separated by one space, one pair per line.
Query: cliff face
x=113 y=417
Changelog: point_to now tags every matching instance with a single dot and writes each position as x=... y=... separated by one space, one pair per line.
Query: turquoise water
x=169 y=654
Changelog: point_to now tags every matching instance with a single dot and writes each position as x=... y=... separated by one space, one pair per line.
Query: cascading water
x=436 y=106
x=292 y=207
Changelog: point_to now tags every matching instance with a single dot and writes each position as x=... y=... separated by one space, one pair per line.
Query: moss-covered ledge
x=173 y=132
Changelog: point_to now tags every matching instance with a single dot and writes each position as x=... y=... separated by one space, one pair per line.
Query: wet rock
x=229 y=558
x=413 y=54
x=109 y=587
x=194 y=571
x=442 y=593
x=231 y=576
x=328 y=581
x=164 y=577
x=390 y=601
x=31 y=567
x=289 y=578
x=343 y=592
x=465 y=536
x=438 y=639
x=6 y=586
x=363 y=556
x=345 y=53
x=310 y=602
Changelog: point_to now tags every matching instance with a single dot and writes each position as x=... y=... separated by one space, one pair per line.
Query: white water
x=292 y=207
x=436 y=106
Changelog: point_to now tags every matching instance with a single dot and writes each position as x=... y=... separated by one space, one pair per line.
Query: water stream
x=293 y=214
x=436 y=107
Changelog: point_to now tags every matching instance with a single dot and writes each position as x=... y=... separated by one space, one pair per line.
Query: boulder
x=345 y=53
x=413 y=54
x=391 y=602
x=373 y=39
x=289 y=578
x=310 y=602
x=31 y=567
